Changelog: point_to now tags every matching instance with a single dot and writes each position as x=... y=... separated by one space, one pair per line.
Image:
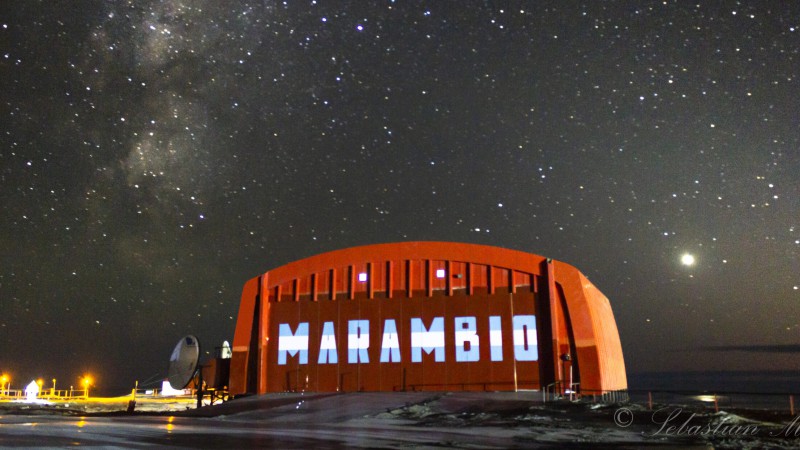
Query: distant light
x=439 y=273
x=360 y=27
x=362 y=277
x=687 y=259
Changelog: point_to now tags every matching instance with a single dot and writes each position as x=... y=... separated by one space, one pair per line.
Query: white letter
x=429 y=340
x=525 y=343
x=327 y=345
x=466 y=332
x=357 y=341
x=390 y=346
x=496 y=338
x=292 y=343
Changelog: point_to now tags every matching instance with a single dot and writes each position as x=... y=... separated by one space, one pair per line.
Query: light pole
x=3 y=387
x=53 y=392
x=86 y=382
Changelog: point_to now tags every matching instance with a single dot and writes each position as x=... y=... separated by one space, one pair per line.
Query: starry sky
x=155 y=155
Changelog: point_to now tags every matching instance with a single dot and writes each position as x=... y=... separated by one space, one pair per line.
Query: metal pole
x=571 y=391
x=200 y=388
x=791 y=404
x=132 y=402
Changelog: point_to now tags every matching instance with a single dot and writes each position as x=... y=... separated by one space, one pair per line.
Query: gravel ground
x=390 y=420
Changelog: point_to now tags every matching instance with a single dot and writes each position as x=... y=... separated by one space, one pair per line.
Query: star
x=687 y=259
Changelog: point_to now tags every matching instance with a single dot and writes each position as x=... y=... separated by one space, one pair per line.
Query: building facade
x=433 y=316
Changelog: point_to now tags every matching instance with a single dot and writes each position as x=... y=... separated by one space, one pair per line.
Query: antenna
x=183 y=362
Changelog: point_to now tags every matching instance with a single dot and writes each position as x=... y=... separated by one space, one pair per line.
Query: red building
x=424 y=316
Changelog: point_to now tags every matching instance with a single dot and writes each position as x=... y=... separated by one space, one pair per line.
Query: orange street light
x=3 y=387
x=87 y=381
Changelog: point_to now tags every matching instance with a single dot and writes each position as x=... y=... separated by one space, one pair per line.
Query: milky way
x=155 y=155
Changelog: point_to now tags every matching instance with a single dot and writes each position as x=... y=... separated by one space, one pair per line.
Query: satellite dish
x=183 y=362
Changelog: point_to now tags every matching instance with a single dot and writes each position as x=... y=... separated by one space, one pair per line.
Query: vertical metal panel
x=379 y=276
x=276 y=294
x=448 y=278
x=313 y=287
x=349 y=277
x=418 y=277
x=457 y=274
x=389 y=279
x=470 y=279
x=264 y=306
x=371 y=280
x=481 y=277
x=242 y=336
x=428 y=278
x=409 y=278
x=287 y=291
x=556 y=321
x=523 y=280
x=500 y=279
x=336 y=280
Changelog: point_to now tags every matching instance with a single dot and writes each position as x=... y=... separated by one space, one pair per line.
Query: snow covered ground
x=390 y=420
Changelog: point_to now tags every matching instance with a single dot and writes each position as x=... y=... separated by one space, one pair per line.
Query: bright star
x=687 y=259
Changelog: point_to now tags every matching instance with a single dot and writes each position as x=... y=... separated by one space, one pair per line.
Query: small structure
x=32 y=391
x=225 y=352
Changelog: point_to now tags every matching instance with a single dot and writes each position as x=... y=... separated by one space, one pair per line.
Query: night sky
x=155 y=155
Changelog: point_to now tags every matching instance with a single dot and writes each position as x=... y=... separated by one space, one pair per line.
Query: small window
x=439 y=273
x=362 y=277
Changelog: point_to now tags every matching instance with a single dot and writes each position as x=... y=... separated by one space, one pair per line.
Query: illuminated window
x=362 y=277
x=439 y=273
